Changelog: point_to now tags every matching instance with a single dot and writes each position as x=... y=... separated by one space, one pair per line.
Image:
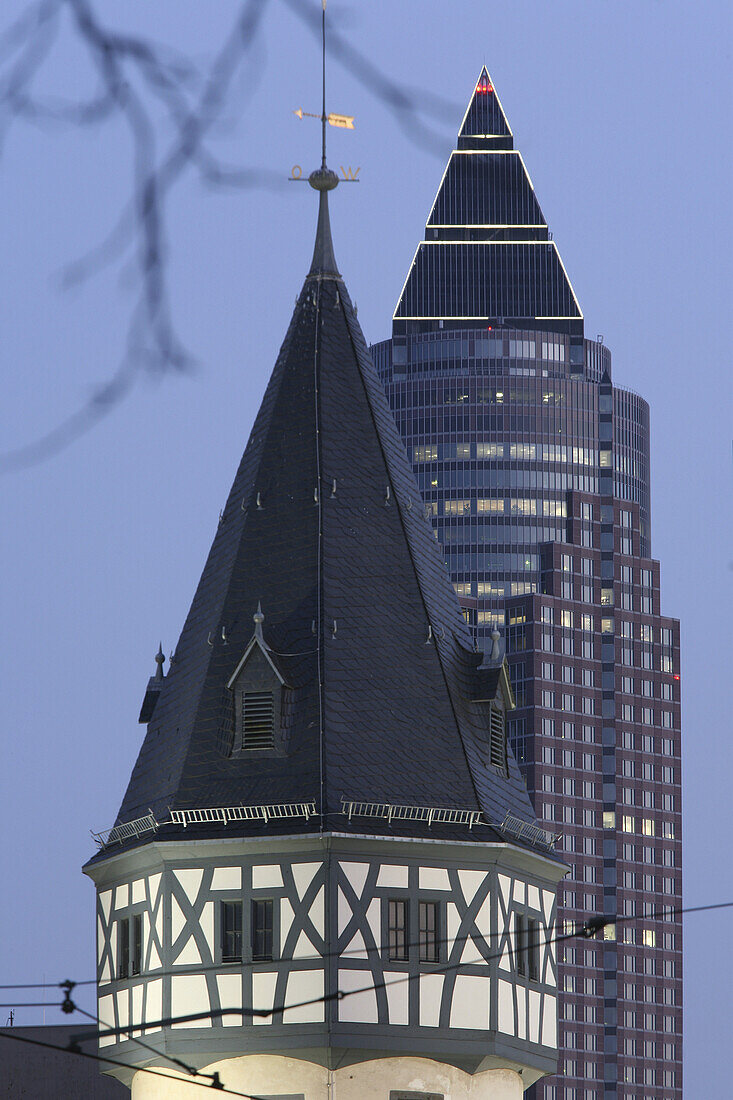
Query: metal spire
x=323 y=76
x=323 y=180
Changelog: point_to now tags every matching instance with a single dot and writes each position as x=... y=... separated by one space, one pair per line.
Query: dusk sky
x=622 y=112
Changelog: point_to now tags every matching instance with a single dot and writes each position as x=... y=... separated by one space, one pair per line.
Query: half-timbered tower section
x=325 y=879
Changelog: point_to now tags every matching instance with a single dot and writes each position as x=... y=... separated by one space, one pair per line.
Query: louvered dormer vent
x=258 y=720
x=497 y=740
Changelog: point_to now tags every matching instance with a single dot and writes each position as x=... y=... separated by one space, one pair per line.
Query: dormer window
x=257 y=685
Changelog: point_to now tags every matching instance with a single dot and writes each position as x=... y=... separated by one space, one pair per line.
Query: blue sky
x=623 y=115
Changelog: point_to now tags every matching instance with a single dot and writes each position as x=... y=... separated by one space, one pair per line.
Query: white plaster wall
x=268 y=1074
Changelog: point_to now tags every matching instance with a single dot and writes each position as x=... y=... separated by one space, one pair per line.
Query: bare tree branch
x=135 y=74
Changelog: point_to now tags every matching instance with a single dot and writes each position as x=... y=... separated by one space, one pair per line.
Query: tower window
x=231 y=931
x=262 y=928
x=137 y=944
x=397 y=929
x=129 y=946
x=527 y=947
x=429 y=939
x=123 y=948
x=258 y=719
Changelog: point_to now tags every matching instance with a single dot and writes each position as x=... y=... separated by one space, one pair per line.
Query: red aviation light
x=676 y=676
x=484 y=89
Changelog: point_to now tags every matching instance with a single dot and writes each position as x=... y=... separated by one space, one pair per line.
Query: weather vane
x=324 y=178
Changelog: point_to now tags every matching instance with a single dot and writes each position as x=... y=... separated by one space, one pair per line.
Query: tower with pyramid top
x=325 y=879
x=535 y=473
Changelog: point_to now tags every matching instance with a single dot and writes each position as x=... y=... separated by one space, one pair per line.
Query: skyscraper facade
x=535 y=472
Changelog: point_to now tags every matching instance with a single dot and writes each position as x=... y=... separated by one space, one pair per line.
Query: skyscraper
x=325 y=879
x=535 y=472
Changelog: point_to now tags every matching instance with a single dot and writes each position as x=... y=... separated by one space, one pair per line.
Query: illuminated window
x=609 y=819
x=648 y=826
x=457 y=507
x=428 y=453
x=490 y=450
x=627 y=825
x=649 y=940
x=484 y=504
x=522 y=450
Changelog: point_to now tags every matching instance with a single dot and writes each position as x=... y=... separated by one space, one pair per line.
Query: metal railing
x=524 y=830
x=431 y=814
x=214 y=815
x=224 y=814
x=128 y=831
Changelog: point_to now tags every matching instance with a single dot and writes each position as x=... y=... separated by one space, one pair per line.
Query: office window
x=397 y=929
x=231 y=931
x=262 y=929
x=429 y=940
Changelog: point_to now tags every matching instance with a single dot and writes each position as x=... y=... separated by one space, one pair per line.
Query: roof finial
x=495 y=636
x=259 y=619
x=159 y=660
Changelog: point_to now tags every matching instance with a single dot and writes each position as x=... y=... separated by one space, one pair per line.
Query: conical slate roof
x=324 y=529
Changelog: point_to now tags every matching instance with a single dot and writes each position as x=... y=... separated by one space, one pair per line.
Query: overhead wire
x=663 y=912
x=215 y=1084
x=585 y=930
